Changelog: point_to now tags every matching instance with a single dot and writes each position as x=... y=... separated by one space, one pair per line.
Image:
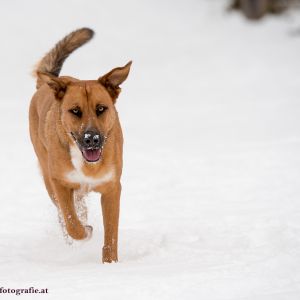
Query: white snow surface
x=211 y=114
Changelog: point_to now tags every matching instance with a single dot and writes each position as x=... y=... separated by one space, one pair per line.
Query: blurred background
x=210 y=114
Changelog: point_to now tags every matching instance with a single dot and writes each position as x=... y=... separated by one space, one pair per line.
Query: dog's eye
x=76 y=111
x=100 y=109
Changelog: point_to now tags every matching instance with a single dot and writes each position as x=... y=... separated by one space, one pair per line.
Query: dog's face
x=87 y=109
x=87 y=115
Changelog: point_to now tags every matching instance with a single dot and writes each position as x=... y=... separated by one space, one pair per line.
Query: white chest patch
x=77 y=176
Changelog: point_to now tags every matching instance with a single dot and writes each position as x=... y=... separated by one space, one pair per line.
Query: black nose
x=91 y=139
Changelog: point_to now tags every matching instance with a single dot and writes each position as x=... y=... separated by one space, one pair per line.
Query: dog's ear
x=113 y=79
x=57 y=85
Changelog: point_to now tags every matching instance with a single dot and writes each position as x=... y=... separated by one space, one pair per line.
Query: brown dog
x=77 y=137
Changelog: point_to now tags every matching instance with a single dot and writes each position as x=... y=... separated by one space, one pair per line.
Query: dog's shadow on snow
x=53 y=248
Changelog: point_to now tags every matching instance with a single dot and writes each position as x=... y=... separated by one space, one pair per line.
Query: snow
x=210 y=112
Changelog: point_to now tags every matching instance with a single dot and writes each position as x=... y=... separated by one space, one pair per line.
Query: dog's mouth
x=91 y=155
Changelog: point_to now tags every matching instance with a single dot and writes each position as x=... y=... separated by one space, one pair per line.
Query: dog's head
x=87 y=108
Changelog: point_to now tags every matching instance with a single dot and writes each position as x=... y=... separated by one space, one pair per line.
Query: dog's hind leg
x=80 y=205
x=49 y=188
x=65 y=199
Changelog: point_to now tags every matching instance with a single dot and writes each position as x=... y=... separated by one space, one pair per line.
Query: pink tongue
x=91 y=154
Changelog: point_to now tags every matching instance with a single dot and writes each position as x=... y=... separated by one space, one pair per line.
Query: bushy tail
x=52 y=62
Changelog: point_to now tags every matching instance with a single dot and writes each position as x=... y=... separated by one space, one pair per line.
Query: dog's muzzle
x=90 y=144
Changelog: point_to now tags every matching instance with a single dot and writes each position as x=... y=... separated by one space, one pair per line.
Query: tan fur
x=52 y=62
x=256 y=9
x=51 y=124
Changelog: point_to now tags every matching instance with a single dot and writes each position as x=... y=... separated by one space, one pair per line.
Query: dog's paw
x=109 y=255
x=88 y=231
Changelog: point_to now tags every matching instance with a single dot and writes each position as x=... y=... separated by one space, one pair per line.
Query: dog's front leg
x=65 y=199
x=110 y=201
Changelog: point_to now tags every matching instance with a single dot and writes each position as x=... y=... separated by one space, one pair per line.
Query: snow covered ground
x=211 y=115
